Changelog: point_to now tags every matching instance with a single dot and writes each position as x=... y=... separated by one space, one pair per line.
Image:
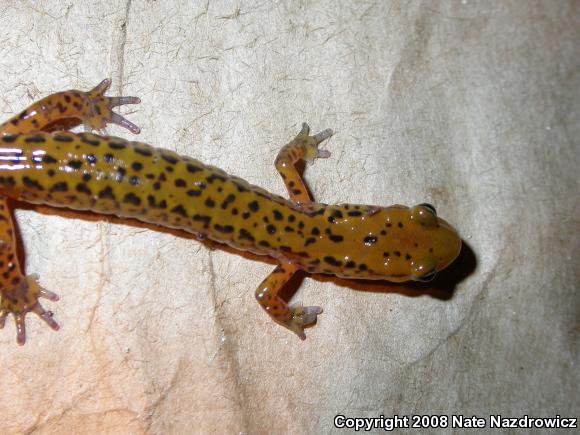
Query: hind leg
x=19 y=294
x=295 y=317
x=68 y=109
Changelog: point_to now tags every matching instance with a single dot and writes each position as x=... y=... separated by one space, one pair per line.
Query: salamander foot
x=22 y=300
x=302 y=317
x=101 y=112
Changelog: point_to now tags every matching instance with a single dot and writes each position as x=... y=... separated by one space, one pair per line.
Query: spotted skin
x=43 y=164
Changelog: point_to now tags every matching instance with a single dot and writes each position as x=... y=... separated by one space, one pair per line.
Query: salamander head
x=402 y=244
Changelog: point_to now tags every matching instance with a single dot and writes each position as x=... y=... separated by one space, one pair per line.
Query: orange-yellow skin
x=110 y=175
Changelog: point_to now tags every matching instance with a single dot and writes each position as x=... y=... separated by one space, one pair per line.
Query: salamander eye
x=429 y=206
x=428 y=276
x=425 y=215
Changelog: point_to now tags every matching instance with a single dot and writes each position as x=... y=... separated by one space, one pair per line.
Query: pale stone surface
x=471 y=106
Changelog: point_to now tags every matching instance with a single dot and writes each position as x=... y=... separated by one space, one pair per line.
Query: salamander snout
x=439 y=240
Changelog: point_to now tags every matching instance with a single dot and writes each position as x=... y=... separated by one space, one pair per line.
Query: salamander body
x=42 y=163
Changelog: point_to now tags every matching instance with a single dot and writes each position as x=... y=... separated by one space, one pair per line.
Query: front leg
x=296 y=317
x=303 y=147
x=19 y=294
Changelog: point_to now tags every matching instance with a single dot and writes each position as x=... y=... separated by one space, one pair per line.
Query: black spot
x=362 y=267
x=134 y=180
x=117 y=145
x=66 y=98
x=169 y=158
x=315 y=231
x=264 y=243
x=278 y=216
x=285 y=248
x=229 y=199
x=157 y=185
x=354 y=213
x=193 y=168
x=407 y=257
x=93 y=142
x=241 y=188
x=32 y=183
x=107 y=193
x=51 y=172
x=397 y=253
x=336 y=214
x=291 y=218
x=75 y=164
x=109 y=158
x=224 y=229
x=214 y=177
x=336 y=238
x=400 y=224
x=136 y=166
x=35 y=139
x=271 y=229
x=91 y=159
x=289 y=229
x=246 y=215
x=193 y=192
x=153 y=202
x=370 y=240
x=254 y=206
x=48 y=159
x=385 y=254
x=332 y=261
x=62 y=138
x=120 y=173
x=350 y=264
x=143 y=151
x=150 y=176
x=180 y=182
x=246 y=235
x=179 y=210
x=209 y=203
x=131 y=198
x=309 y=241
x=23 y=115
x=61 y=186
x=202 y=218
x=7 y=181
x=383 y=232
x=87 y=177
x=301 y=225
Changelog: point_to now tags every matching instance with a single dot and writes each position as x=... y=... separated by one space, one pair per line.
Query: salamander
x=42 y=162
